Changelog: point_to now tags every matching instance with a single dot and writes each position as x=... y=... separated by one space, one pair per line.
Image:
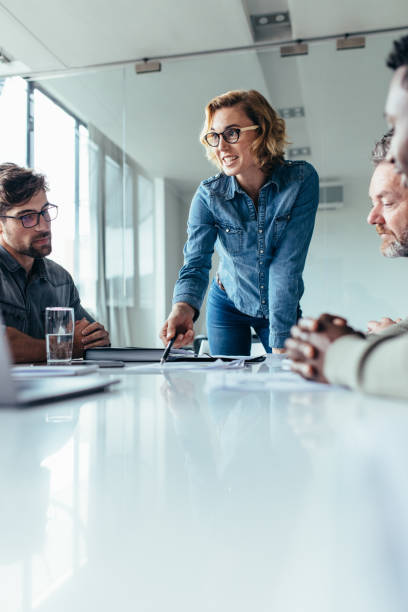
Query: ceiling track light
x=350 y=42
x=147 y=66
x=292 y=50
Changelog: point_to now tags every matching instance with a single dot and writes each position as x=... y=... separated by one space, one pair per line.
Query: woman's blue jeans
x=228 y=329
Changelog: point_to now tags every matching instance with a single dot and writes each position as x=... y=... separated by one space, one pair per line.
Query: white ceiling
x=321 y=17
x=342 y=92
x=56 y=33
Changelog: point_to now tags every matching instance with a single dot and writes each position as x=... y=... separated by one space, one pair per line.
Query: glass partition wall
x=123 y=158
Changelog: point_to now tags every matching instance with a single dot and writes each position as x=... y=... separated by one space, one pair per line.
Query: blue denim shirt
x=262 y=253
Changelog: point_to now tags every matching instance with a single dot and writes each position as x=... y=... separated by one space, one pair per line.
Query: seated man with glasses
x=28 y=281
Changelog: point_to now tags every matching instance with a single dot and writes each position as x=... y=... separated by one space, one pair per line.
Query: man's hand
x=375 y=327
x=180 y=322
x=87 y=335
x=309 y=343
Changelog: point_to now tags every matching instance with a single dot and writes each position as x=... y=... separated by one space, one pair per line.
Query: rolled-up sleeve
x=285 y=272
x=198 y=250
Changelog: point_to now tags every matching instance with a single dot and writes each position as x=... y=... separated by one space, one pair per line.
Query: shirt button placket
x=261 y=250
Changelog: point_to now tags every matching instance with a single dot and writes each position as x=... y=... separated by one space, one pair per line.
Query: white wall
x=175 y=220
x=171 y=209
x=345 y=272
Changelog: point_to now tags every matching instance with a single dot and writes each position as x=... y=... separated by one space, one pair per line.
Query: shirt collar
x=8 y=260
x=12 y=264
x=233 y=186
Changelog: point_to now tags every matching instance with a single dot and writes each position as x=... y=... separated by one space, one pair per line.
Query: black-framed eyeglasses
x=32 y=219
x=230 y=135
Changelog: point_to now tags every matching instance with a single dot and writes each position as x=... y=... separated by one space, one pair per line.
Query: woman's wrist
x=184 y=307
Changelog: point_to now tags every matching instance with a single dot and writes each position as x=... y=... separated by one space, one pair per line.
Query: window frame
x=30 y=130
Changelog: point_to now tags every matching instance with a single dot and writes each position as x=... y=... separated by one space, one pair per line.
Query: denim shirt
x=262 y=253
x=23 y=299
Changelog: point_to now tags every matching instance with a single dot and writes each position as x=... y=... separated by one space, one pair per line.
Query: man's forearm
x=376 y=366
x=24 y=348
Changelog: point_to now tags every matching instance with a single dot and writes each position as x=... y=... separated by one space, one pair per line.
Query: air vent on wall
x=330 y=196
x=291 y=112
x=299 y=152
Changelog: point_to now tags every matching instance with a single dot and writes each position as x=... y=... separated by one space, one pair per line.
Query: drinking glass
x=59 y=335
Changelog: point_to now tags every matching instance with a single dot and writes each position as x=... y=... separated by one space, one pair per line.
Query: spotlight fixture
x=147 y=66
x=350 y=42
x=266 y=19
x=271 y=26
x=296 y=49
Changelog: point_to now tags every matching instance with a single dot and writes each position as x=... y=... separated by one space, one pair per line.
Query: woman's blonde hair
x=269 y=145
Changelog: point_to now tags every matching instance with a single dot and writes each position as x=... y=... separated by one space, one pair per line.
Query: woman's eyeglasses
x=230 y=135
x=32 y=219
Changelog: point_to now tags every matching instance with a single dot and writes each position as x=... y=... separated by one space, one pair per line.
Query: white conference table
x=169 y=493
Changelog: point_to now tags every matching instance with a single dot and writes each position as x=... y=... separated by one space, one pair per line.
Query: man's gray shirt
x=24 y=298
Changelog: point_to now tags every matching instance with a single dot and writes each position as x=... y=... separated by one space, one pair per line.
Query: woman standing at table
x=259 y=212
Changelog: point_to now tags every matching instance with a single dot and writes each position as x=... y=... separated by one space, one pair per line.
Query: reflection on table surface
x=172 y=493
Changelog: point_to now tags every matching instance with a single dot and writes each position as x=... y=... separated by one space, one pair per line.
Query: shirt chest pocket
x=279 y=226
x=231 y=238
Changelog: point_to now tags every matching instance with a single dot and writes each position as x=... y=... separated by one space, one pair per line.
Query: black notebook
x=146 y=355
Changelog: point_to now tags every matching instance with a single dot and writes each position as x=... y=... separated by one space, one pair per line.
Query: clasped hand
x=310 y=340
x=87 y=335
x=375 y=327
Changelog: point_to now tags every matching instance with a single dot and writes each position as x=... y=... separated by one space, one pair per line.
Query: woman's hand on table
x=180 y=322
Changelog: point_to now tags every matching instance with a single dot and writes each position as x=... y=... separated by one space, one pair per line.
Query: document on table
x=174 y=366
x=269 y=381
x=33 y=371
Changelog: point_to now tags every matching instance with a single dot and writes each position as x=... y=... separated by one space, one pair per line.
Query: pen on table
x=167 y=350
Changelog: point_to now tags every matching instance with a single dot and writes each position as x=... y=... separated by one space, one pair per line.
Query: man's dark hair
x=17 y=185
x=381 y=148
x=399 y=57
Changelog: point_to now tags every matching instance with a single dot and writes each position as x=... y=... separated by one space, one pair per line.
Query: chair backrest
x=257 y=347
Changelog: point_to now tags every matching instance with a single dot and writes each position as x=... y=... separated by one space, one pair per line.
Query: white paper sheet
x=169 y=366
x=31 y=371
x=277 y=380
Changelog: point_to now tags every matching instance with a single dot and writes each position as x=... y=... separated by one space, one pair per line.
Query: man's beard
x=397 y=248
x=38 y=252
